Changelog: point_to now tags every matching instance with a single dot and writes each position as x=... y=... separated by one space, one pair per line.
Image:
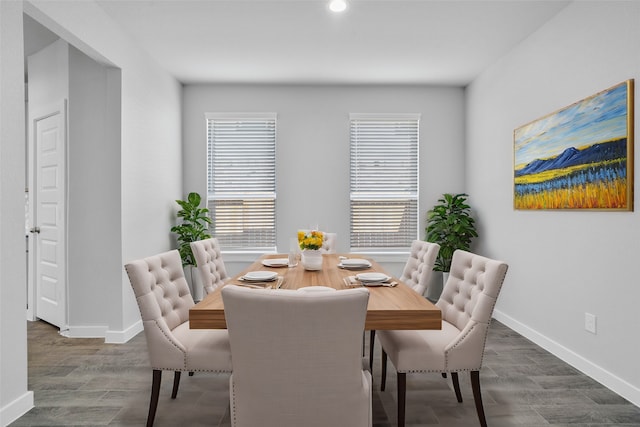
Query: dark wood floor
x=89 y=383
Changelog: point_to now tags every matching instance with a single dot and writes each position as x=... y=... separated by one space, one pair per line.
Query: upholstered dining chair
x=416 y=274
x=419 y=265
x=329 y=243
x=296 y=357
x=164 y=301
x=209 y=263
x=467 y=303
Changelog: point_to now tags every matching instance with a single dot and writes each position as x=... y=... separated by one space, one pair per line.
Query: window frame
x=360 y=192
x=244 y=244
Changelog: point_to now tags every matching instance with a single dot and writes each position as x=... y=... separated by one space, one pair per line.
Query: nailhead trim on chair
x=467 y=307
x=170 y=339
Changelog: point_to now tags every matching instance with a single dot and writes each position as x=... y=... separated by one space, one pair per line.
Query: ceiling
x=300 y=41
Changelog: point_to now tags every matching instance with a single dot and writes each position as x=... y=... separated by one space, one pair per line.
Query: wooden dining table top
x=390 y=308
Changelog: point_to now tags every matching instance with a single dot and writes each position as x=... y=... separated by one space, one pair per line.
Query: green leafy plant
x=194 y=226
x=449 y=224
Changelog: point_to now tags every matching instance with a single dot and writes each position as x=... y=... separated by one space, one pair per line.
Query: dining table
x=392 y=304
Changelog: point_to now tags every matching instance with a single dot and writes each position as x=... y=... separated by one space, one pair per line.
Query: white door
x=48 y=213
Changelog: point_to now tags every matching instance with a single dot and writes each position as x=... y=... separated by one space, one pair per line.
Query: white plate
x=372 y=277
x=355 y=262
x=354 y=267
x=260 y=275
x=275 y=262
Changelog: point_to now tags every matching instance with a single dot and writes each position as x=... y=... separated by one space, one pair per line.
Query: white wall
x=94 y=196
x=15 y=399
x=150 y=176
x=150 y=164
x=61 y=72
x=312 y=148
x=562 y=263
x=47 y=90
x=48 y=75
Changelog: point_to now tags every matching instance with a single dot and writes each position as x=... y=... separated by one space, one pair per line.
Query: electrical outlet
x=590 y=322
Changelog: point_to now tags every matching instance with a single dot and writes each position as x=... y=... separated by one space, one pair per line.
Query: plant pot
x=194 y=282
x=439 y=279
x=311 y=259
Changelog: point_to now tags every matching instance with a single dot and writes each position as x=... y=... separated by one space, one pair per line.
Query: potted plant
x=193 y=227
x=449 y=224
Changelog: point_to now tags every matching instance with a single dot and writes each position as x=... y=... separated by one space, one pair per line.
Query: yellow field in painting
x=556 y=173
x=597 y=195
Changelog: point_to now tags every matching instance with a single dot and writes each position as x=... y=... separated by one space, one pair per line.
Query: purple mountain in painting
x=572 y=156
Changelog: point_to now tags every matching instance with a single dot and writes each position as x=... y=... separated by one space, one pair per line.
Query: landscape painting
x=580 y=157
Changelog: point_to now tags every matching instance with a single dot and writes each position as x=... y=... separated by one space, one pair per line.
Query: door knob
x=35 y=230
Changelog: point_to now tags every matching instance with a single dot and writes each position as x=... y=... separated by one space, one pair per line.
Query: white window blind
x=384 y=182
x=241 y=152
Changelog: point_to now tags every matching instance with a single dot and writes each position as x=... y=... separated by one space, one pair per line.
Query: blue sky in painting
x=599 y=118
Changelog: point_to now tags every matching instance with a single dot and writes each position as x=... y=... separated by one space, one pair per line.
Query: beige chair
x=416 y=275
x=209 y=263
x=164 y=300
x=417 y=270
x=329 y=243
x=467 y=303
x=296 y=357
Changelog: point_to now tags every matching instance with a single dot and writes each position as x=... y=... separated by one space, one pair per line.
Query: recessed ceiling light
x=338 y=5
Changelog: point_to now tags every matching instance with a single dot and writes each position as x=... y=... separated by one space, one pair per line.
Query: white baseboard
x=110 y=337
x=14 y=410
x=84 y=332
x=121 y=337
x=604 y=377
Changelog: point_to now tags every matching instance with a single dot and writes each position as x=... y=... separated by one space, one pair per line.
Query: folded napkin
x=262 y=284
x=353 y=281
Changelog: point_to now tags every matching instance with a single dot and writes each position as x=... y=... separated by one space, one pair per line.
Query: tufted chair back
x=297 y=357
x=210 y=264
x=467 y=302
x=164 y=300
x=329 y=243
x=417 y=270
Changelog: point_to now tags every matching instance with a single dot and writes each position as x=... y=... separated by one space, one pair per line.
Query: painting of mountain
x=580 y=157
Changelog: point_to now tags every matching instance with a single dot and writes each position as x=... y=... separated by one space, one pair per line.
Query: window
x=384 y=181
x=241 y=190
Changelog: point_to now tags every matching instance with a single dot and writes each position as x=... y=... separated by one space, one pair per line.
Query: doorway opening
x=73 y=128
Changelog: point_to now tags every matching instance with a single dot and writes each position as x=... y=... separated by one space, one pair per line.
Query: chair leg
x=155 y=392
x=176 y=384
x=456 y=386
x=191 y=373
x=402 y=396
x=383 y=379
x=372 y=340
x=444 y=375
x=477 y=396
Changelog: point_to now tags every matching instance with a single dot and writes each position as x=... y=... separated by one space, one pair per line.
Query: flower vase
x=311 y=259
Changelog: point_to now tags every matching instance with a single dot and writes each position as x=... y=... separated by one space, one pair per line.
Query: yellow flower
x=310 y=240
